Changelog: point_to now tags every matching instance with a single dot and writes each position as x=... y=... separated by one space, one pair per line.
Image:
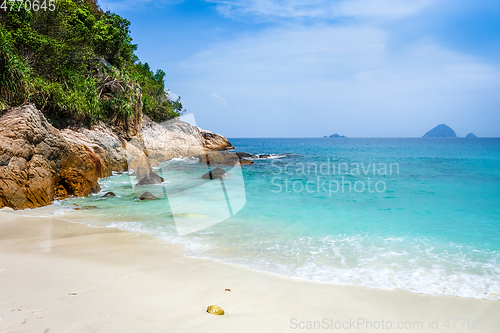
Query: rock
x=441 y=131
x=471 y=135
x=77 y=183
x=60 y=192
x=147 y=196
x=38 y=164
x=244 y=161
x=103 y=144
x=214 y=141
x=109 y=195
x=218 y=158
x=175 y=138
x=214 y=174
x=140 y=172
x=224 y=158
x=162 y=143
x=215 y=310
x=337 y=136
x=264 y=156
x=245 y=155
x=151 y=179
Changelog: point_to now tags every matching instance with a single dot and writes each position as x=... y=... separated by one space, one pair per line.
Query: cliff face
x=39 y=163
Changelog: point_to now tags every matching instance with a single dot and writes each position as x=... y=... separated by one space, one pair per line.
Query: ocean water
x=421 y=215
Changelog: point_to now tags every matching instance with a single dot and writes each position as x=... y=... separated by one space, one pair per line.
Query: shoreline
x=130 y=282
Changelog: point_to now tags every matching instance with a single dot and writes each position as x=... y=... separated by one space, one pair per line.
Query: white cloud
x=172 y=96
x=218 y=99
x=324 y=9
x=348 y=77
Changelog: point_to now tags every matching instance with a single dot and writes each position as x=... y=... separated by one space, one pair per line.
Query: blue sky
x=361 y=68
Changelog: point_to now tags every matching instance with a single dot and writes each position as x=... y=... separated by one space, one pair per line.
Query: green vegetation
x=76 y=64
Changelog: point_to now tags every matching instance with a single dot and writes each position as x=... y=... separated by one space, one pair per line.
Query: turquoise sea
x=429 y=221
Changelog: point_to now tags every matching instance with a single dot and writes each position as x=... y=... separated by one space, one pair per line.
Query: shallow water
x=431 y=224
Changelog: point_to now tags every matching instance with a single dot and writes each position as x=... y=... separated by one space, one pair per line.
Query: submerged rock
x=147 y=196
x=214 y=174
x=151 y=179
x=246 y=155
x=109 y=194
x=215 y=310
x=440 y=131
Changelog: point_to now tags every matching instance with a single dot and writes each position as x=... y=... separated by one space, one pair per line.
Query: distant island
x=440 y=131
x=335 y=136
x=471 y=135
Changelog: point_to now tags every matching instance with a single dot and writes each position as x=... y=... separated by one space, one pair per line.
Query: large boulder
x=147 y=196
x=176 y=138
x=37 y=163
x=216 y=173
x=441 y=131
x=151 y=178
x=163 y=142
x=214 y=141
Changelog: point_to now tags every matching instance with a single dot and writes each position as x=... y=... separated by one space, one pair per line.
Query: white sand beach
x=57 y=276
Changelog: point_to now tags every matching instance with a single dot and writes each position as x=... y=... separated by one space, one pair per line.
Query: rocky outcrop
x=110 y=148
x=39 y=163
x=169 y=140
x=175 y=138
x=214 y=141
x=441 y=131
x=471 y=135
